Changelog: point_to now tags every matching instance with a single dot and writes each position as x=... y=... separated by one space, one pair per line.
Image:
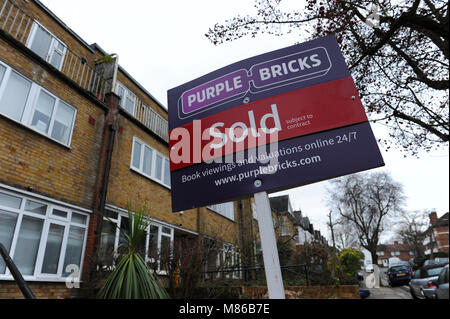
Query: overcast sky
x=162 y=44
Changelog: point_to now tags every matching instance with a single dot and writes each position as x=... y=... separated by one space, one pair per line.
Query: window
x=221 y=260
x=42 y=238
x=15 y=93
x=230 y=261
x=282 y=226
x=31 y=105
x=157 y=246
x=433 y=272
x=150 y=163
x=46 y=45
x=297 y=239
x=224 y=209
x=127 y=98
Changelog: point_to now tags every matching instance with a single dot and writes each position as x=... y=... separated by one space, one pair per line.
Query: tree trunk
x=374 y=257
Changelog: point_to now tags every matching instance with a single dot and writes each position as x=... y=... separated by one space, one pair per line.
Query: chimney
x=433 y=218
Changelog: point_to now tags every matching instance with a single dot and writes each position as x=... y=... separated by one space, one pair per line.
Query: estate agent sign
x=282 y=119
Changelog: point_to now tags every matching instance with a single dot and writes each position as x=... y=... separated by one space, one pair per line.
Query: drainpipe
x=109 y=134
x=112 y=134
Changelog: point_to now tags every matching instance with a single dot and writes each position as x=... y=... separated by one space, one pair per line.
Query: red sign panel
x=296 y=113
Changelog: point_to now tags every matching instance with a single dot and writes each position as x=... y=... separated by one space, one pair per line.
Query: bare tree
x=411 y=230
x=397 y=52
x=345 y=235
x=365 y=202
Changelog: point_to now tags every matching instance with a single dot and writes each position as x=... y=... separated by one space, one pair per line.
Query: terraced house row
x=79 y=140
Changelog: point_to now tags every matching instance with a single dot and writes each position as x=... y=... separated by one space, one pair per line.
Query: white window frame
x=223 y=209
x=126 y=93
x=118 y=221
x=31 y=103
x=227 y=258
x=53 y=44
x=47 y=219
x=140 y=169
x=160 y=235
x=254 y=214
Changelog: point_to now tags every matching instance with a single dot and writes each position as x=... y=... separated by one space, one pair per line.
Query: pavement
x=386 y=292
x=401 y=292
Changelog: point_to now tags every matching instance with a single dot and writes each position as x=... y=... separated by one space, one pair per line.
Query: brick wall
x=70 y=174
x=30 y=159
x=217 y=226
x=307 y=292
x=41 y=290
x=442 y=238
x=127 y=185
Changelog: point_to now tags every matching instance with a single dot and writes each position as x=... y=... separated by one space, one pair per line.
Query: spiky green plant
x=131 y=278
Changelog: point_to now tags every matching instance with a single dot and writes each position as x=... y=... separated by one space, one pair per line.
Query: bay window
x=41 y=237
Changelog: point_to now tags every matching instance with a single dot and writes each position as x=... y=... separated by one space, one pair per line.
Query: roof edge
x=60 y=22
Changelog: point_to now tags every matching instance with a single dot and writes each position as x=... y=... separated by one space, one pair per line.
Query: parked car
x=429 y=291
x=441 y=260
x=393 y=261
x=421 y=285
x=399 y=274
x=441 y=291
x=436 y=261
x=405 y=263
x=430 y=262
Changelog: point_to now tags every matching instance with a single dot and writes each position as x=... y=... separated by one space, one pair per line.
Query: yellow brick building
x=79 y=140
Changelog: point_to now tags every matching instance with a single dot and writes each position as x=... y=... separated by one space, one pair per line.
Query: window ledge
x=38 y=279
x=230 y=219
x=36 y=131
x=149 y=177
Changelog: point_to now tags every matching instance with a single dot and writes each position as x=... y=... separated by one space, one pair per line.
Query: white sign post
x=269 y=246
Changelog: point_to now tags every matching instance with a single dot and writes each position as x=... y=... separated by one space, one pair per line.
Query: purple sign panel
x=291 y=68
x=295 y=162
x=280 y=71
x=218 y=90
x=271 y=74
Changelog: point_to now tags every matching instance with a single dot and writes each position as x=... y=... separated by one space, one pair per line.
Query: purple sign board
x=276 y=72
x=300 y=161
x=306 y=157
